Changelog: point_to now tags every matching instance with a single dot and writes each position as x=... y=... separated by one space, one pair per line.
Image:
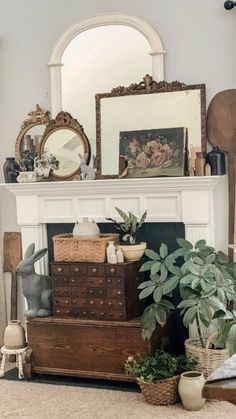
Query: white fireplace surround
x=199 y=202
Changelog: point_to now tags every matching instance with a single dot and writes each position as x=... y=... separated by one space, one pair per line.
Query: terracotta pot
x=14 y=335
x=190 y=390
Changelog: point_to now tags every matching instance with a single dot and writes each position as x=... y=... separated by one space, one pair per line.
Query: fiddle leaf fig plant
x=207 y=284
x=129 y=225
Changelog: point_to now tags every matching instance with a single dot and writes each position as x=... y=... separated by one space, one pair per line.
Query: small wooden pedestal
x=86 y=348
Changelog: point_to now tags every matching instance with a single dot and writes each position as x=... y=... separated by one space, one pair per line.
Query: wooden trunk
x=87 y=348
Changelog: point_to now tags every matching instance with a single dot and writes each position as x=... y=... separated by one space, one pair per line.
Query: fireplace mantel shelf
x=114 y=186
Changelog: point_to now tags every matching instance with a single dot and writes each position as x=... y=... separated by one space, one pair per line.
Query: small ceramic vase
x=86 y=229
x=110 y=250
x=11 y=170
x=14 y=335
x=190 y=390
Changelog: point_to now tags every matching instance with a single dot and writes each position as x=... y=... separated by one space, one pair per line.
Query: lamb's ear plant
x=129 y=225
x=207 y=285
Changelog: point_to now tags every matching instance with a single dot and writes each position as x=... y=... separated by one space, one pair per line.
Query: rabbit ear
x=29 y=251
x=37 y=255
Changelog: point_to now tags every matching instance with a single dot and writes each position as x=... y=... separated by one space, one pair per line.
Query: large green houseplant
x=207 y=286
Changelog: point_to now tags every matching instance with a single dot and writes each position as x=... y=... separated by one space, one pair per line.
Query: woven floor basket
x=208 y=360
x=162 y=392
x=69 y=249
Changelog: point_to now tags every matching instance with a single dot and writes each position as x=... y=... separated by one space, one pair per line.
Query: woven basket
x=69 y=249
x=208 y=360
x=162 y=392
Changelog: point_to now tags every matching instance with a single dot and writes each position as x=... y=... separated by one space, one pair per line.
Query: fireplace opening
x=153 y=234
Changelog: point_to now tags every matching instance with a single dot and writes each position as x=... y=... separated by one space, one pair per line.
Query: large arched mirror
x=90 y=57
x=31 y=132
x=64 y=139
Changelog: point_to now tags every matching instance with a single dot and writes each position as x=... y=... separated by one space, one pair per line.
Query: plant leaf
x=163 y=250
x=231 y=341
x=152 y=255
x=189 y=316
x=157 y=294
x=200 y=243
x=146 y=284
x=146 y=266
x=170 y=284
x=146 y=292
x=184 y=243
x=155 y=267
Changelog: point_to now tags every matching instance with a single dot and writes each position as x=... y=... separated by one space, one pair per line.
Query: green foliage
x=129 y=226
x=207 y=284
x=159 y=366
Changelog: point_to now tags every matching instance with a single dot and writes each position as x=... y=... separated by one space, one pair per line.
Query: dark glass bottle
x=11 y=170
x=216 y=159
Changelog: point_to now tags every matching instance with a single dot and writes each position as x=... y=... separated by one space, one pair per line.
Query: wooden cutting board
x=12 y=255
x=221 y=131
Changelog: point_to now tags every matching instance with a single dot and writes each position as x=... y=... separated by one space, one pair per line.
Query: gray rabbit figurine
x=36 y=288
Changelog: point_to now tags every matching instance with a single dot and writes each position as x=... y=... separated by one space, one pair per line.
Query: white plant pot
x=190 y=390
x=133 y=251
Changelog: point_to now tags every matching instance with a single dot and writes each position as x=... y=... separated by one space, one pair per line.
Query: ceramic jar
x=14 y=335
x=110 y=251
x=86 y=229
x=216 y=159
x=190 y=390
x=11 y=170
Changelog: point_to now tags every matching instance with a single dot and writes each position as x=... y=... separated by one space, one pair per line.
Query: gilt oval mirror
x=32 y=130
x=65 y=140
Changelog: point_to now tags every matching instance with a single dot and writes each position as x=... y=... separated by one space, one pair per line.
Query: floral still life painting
x=154 y=152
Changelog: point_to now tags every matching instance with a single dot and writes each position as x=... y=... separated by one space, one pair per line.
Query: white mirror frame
x=156 y=49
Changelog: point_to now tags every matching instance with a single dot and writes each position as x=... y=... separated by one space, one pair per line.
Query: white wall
x=197 y=35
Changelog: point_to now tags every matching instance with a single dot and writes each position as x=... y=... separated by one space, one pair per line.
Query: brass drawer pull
x=66 y=302
x=92 y=313
x=76 y=269
x=101 y=292
x=91 y=291
x=118 y=292
x=59 y=269
x=67 y=311
x=112 y=270
x=102 y=314
x=58 y=311
x=84 y=313
x=109 y=303
x=94 y=270
x=101 y=302
x=65 y=279
x=73 y=280
x=120 y=303
x=91 y=302
x=74 y=301
x=109 y=281
x=119 y=281
x=100 y=281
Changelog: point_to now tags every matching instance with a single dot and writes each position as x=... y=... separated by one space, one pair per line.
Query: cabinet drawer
x=62 y=301
x=115 y=282
x=78 y=292
x=106 y=315
x=60 y=269
x=60 y=281
x=78 y=302
x=96 y=281
x=78 y=269
x=76 y=281
x=114 y=270
x=96 y=291
x=79 y=312
x=61 y=292
x=114 y=304
x=114 y=293
x=96 y=270
x=62 y=311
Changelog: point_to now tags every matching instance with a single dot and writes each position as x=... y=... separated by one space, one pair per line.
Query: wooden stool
x=19 y=360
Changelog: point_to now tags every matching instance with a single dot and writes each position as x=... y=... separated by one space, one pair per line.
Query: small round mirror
x=65 y=140
x=31 y=132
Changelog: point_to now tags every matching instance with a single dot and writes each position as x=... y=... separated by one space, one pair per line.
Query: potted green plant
x=158 y=375
x=206 y=281
x=128 y=229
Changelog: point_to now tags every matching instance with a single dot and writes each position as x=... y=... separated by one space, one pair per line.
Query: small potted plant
x=128 y=229
x=158 y=375
x=206 y=281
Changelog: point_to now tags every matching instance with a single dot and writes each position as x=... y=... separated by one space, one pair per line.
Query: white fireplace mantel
x=199 y=202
